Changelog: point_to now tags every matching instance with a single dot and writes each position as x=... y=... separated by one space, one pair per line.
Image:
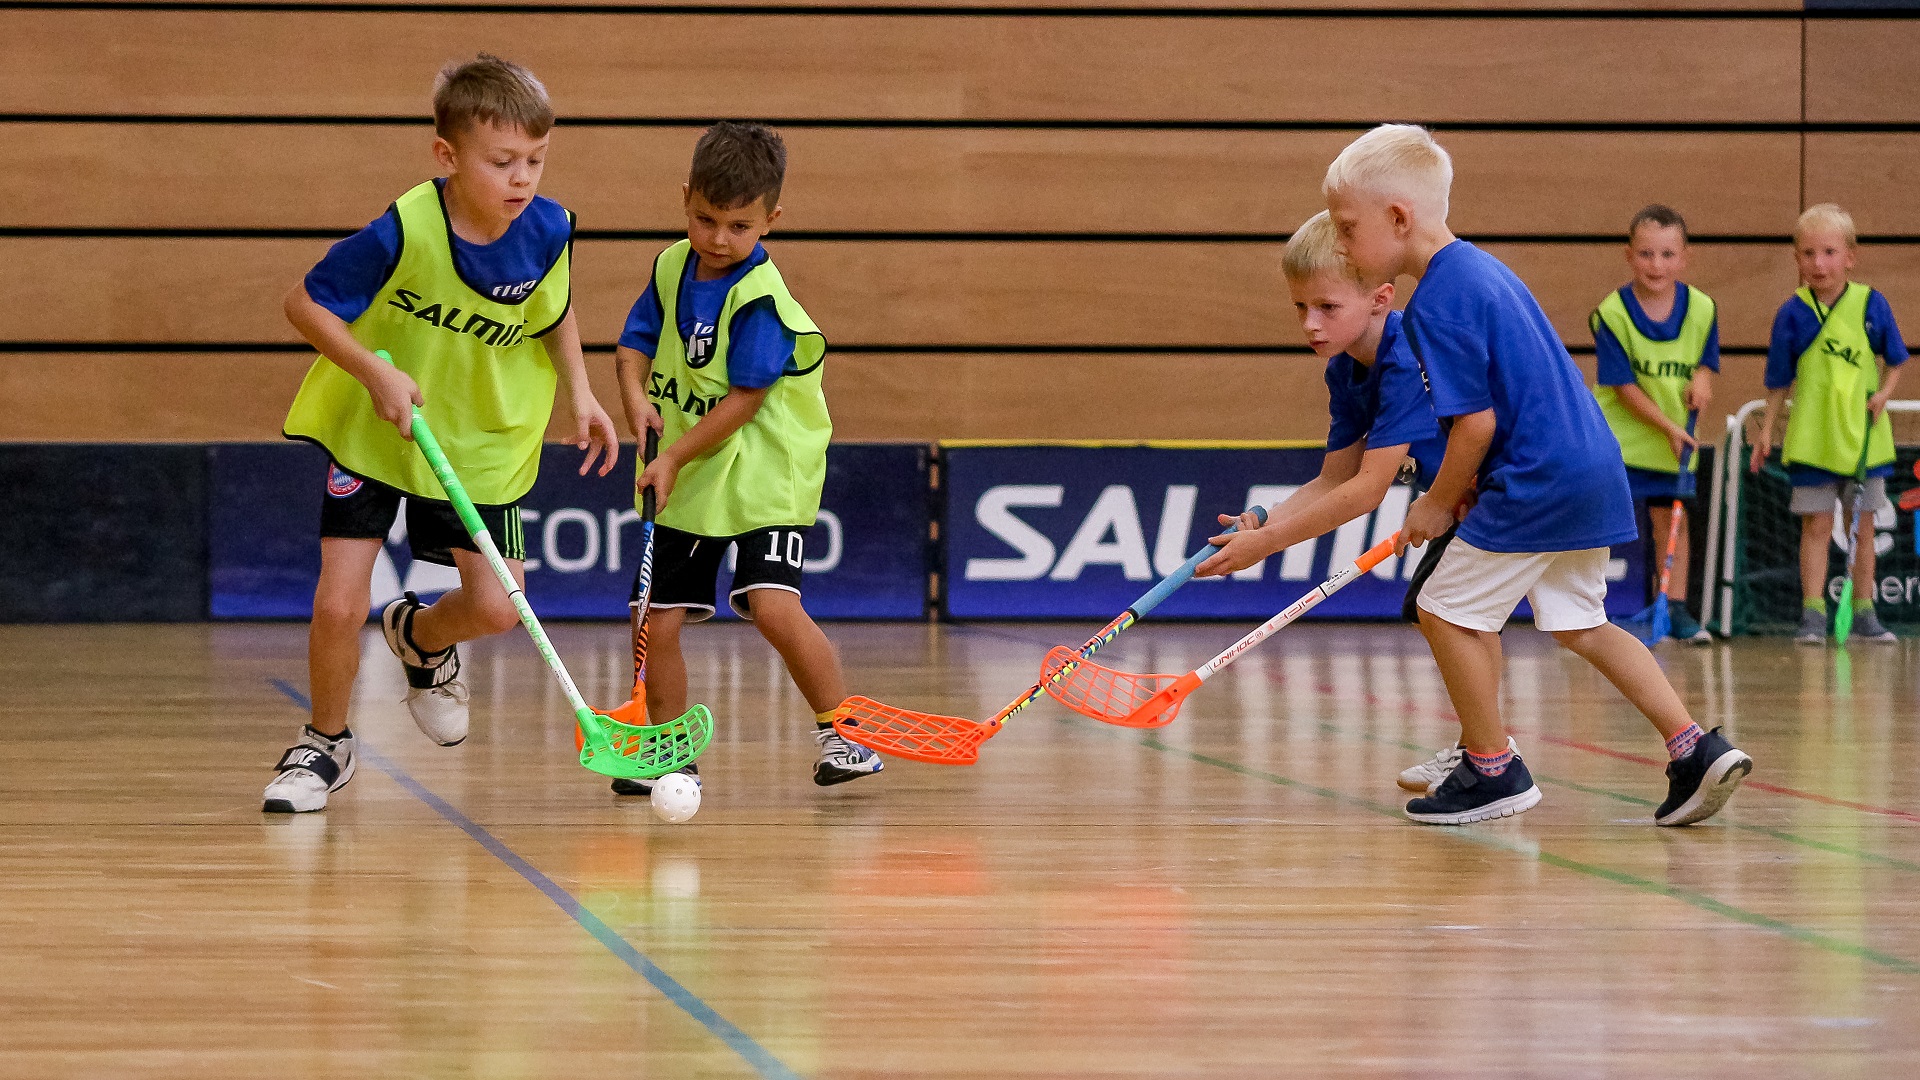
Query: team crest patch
x=341 y=483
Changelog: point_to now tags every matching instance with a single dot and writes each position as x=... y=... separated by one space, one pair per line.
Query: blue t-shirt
x=1614 y=367
x=1385 y=403
x=759 y=346
x=1794 y=328
x=1552 y=479
x=346 y=281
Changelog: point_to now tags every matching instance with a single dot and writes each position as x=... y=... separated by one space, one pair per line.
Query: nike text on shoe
x=1467 y=796
x=311 y=768
x=841 y=761
x=644 y=787
x=436 y=695
x=1699 y=784
x=1427 y=775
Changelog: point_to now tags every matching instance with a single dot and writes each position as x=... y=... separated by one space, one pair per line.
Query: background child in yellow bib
x=466 y=282
x=720 y=359
x=1824 y=349
x=1657 y=342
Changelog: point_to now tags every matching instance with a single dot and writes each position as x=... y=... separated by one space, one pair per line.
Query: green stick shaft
x=463 y=505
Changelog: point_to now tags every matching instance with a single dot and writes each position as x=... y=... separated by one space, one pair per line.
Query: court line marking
x=1472 y=835
x=687 y=1001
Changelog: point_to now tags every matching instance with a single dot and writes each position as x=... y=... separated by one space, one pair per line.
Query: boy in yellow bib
x=466 y=282
x=1657 y=342
x=1824 y=349
x=720 y=359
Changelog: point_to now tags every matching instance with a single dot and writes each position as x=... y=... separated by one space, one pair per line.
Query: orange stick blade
x=1106 y=695
x=917 y=736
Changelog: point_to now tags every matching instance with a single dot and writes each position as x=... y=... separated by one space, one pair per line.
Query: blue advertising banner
x=866 y=558
x=1081 y=531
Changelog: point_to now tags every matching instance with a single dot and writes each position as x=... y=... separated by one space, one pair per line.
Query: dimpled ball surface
x=676 y=797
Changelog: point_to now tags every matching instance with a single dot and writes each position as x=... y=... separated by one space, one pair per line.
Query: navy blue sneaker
x=1467 y=796
x=644 y=788
x=1699 y=784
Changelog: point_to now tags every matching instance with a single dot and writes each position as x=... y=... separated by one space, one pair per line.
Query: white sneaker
x=436 y=695
x=1426 y=776
x=311 y=768
x=841 y=761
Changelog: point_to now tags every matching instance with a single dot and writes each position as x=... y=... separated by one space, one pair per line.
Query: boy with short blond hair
x=1656 y=341
x=1828 y=343
x=1528 y=441
x=466 y=282
x=1381 y=420
x=720 y=359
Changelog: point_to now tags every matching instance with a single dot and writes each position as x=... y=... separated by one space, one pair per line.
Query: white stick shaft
x=1267 y=629
x=484 y=541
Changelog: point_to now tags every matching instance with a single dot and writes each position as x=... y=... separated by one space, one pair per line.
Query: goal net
x=1752 y=573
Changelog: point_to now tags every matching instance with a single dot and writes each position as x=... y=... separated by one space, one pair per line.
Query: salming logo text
x=489 y=331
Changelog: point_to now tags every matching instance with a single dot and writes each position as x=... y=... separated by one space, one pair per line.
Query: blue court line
x=725 y=1030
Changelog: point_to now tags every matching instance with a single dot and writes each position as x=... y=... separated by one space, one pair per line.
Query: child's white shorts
x=1479 y=589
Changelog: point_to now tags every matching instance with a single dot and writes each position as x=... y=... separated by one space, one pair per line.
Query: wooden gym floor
x=1232 y=896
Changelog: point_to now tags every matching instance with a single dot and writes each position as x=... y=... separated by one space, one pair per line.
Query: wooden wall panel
x=885 y=293
x=1862 y=70
x=1876 y=176
x=911 y=180
x=912 y=397
x=982 y=67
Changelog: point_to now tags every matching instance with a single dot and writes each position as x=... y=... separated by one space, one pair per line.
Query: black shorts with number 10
x=686 y=567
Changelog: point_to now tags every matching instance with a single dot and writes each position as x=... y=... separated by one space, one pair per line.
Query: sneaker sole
x=1716 y=787
x=824 y=778
x=285 y=806
x=1499 y=808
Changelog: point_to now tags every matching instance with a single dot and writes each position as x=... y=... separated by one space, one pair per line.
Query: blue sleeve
x=1405 y=415
x=1345 y=424
x=1784 y=347
x=354 y=270
x=758 y=347
x=1710 y=356
x=642 y=332
x=1884 y=332
x=1612 y=364
x=1458 y=365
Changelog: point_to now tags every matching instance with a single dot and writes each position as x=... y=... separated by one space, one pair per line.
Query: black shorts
x=686 y=567
x=356 y=508
x=1429 y=558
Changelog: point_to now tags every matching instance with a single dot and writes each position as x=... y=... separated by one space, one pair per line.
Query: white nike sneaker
x=1426 y=776
x=436 y=695
x=841 y=761
x=311 y=768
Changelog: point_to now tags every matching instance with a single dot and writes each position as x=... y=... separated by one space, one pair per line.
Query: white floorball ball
x=676 y=797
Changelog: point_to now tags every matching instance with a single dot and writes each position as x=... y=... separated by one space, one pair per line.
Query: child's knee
x=341 y=608
x=496 y=611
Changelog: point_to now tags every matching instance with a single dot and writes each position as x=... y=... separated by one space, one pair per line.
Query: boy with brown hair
x=720 y=359
x=466 y=282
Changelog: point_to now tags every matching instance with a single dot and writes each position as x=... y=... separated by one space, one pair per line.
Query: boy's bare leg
x=478 y=608
x=1662 y=520
x=1633 y=671
x=1866 y=567
x=666 y=665
x=1470 y=663
x=340 y=605
x=809 y=656
x=1816 y=531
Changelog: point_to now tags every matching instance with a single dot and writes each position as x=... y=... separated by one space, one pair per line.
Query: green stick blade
x=642 y=752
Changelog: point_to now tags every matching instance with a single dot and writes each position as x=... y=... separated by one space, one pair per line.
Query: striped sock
x=1682 y=744
x=1491 y=764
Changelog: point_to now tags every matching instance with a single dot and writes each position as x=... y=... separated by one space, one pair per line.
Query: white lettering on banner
x=1297 y=563
x=529 y=517
x=550 y=540
x=1884 y=522
x=1349 y=543
x=1176 y=523
x=1115 y=514
x=617 y=520
x=828 y=525
x=995 y=514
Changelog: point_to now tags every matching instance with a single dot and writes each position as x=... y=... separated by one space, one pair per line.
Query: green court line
x=1473 y=835
x=1635 y=800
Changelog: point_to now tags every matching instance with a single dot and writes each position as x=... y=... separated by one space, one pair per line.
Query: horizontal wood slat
x=1862 y=70
x=973 y=67
x=914 y=180
x=87 y=397
x=932 y=293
